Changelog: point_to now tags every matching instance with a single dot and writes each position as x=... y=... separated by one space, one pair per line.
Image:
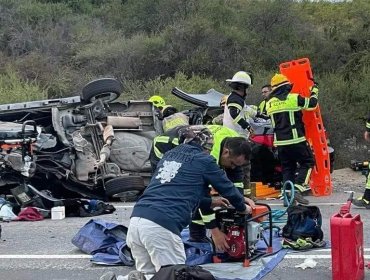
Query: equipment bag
x=303 y=222
x=182 y=272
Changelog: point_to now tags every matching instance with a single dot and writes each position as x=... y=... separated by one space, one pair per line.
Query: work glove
x=314 y=89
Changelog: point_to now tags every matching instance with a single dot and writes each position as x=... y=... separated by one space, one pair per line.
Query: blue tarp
x=105 y=241
x=202 y=253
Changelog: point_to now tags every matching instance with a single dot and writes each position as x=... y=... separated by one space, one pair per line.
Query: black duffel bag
x=303 y=222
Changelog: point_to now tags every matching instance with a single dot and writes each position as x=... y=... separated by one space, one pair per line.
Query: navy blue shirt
x=178 y=184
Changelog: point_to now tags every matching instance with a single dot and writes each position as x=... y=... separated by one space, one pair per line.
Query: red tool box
x=347 y=244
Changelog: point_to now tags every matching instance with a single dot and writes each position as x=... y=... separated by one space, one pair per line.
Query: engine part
x=131 y=151
x=124 y=122
x=58 y=127
x=243 y=234
x=254 y=233
x=236 y=241
x=70 y=120
x=108 y=134
x=86 y=159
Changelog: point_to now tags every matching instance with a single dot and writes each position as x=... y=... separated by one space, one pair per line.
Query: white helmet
x=241 y=77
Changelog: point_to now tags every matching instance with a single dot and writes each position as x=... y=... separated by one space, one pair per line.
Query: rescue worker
x=230 y=152
x=219 y=119
x=157 y=101
x=164 y=209
x=285 y=109
x=171 y=118
x=265 y=91
x=364 y=201
x=237 y=113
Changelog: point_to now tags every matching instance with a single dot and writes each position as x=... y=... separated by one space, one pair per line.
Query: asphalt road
x=43 y=250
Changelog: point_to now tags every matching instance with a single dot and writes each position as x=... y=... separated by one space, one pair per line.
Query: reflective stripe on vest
x=288 y=106
x=165 y=140
x=246 y=112
x=175 y=120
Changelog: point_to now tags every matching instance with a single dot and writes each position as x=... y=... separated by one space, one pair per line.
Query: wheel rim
x=105 y=97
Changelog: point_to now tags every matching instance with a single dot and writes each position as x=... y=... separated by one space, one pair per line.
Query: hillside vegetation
x=51 y=48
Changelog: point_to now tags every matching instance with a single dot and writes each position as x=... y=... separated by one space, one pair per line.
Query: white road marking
x=287 y=256
x=271 y=204
x=313 y=203
x=329 y=250
x=296 y=256
x=45 y=257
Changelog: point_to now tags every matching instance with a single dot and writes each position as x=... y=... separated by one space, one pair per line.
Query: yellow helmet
x=157 y=101
x=279 y=80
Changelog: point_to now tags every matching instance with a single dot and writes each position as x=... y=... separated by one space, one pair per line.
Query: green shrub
x=14 y=89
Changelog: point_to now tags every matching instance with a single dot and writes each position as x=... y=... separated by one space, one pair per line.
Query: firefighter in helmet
x=285 y=109
x=157 y=101
x=237 y=114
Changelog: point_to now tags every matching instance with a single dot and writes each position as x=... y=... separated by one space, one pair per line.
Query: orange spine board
x=300 y=75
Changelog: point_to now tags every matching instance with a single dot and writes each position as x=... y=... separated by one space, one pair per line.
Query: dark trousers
x=197 y=228
x=263 y=164
x=292 y=155
x=247 y=178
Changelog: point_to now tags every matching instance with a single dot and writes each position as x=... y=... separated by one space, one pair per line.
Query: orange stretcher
x=300 y=75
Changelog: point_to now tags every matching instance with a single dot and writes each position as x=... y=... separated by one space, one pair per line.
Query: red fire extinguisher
x=347 y=244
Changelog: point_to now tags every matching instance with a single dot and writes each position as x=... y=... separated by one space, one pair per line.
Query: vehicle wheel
x=127 y=188
x=107 y=89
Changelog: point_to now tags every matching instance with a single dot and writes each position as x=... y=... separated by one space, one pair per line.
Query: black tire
x=127 y=188
x=107 y=89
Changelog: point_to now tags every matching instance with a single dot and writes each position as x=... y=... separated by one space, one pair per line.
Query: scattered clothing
x=105 y=241
x=6 y=211
x=29 y=214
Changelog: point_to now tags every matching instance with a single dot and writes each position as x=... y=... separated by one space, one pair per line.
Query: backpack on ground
x=303 y=222
x=182 y=272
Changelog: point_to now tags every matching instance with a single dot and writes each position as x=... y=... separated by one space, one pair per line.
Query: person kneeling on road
x=180 y=181
x=231 y=153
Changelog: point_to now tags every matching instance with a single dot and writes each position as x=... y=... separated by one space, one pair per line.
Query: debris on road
x=307 y=263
